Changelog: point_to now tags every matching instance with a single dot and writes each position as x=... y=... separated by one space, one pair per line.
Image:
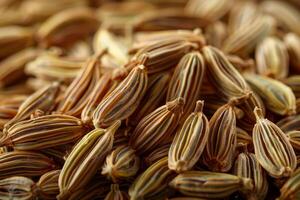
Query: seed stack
x=128 y=99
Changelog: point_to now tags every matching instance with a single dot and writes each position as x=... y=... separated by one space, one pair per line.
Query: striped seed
x=292 y=43
x=48 y=185
x=205 y=184
x=84 y=160
x=116 y=194
x=189 y=141
x=123 y=100
x=294 y=138
x=291 y=189
x=156 y=128
x=272 y=148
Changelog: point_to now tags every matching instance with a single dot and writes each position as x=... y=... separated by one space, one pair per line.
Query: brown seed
x=152 y=182
x=116 y=194
x=292 y=43
x=294 y=138
x=246 y=166
x=272 y=58
x=211 y=185
x=221 y=145
x=17 y=187
x=67 y=26
x=272 y=148
x=44 y=132
x=157 y=154
x=156 y=128
x=189 y=141
x=24 y=163
x=84 y=160
x=48 y=185
x=186 y=81
x=291 y=188
x=121 y=164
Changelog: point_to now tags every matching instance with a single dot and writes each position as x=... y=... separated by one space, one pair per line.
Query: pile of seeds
x=157 y=100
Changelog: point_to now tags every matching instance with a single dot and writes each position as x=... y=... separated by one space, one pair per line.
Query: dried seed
x=120 y=164
x=24 y=163
x=44 y=132
x=220 y=149
x=225 y=77
x=246 y=166
x=123 y=100
x=205 y=184
x=272 y=147
x=243 y=138
x=152 y=182
x=244 y=41
x=286 y=15
x=291 y=188
x=154 y=97
x=156 y=128
x=48 y=185
x=186 y=81
x=43 y=99
x=208 y=9
x=272 y=58
x=278 y=97
x=84 y=160
x=67 y=26
x=294 y=83
x=14 y=37
x=18 y=188
x=116 y=194
x=52 y=67
x=292 y=43
x=157 y=154
x=290 y=123
x=294 y=138
x=12 y=68
x=216 y=33
x=189 y=141
x=79 y=92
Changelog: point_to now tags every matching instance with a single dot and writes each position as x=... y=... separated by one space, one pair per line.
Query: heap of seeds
x=149 y=100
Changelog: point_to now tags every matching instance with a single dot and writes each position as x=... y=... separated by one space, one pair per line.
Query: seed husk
x=205 y=184
x=18 y=188
x=121 y=164
x=272 y=58
x=278 y=97
x=116 y=194
x=247 y=166
x=291 y=188
x=48 y=185
x=24 y=163
x=189 y=141
x=294 y=138
x=123 y=100
x=272 y=148
x=44 y=132
x=152 y=182
x=156 y=128
x=84 y=160
x=186 y=81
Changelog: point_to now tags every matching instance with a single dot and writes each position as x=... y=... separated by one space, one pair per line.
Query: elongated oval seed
x=48 y=185
x=294 y=138
x=292 y=43
x=44 y=132
x=79 y=91
x=24 y=163
x=116 y=194
x=154 y=97
x=291 y=188
x=121 y=163
x=156 y=128
x=152 y=182
x=17 y=187
x=244 y=41
x=224 y=76
x=186 y=81
x=219 y=152
x=205 y=184
x=246 y=166
x=123 y=100
x=67 y=26
x=272 y=147
x=272 y=58
x=278 y=97
x=189 y=141
x=294 y=83
x=84 y=160
x=43 y=99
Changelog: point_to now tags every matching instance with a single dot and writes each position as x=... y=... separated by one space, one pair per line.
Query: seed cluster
x=149 y=100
